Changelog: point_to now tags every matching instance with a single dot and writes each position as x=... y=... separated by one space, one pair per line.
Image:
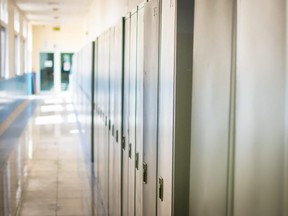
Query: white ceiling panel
x=54 y=11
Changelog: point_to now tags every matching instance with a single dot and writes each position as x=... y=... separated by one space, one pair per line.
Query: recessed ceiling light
x=56 y=17
x=53 y=3
x=55 y=9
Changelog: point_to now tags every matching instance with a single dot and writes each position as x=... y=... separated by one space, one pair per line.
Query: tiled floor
x=46 y=173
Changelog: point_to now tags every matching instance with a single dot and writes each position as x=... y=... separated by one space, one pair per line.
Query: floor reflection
x=46 y=173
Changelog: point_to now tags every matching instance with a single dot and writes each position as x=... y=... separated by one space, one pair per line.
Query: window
x=4 y=11
x=3 y=53
x=17 y=56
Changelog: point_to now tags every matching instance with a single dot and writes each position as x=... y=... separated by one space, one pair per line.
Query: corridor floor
x=46 y=174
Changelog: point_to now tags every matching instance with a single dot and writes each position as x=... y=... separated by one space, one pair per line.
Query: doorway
x=66 y=63
x=47 y=71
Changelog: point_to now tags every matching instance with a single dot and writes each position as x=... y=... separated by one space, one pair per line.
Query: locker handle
x=137 y=161
x=113 y=130
x=117 y=136
x=130 y=150
x=123 y=143
x=109 y=125
x=145 y=170
x=161 y=188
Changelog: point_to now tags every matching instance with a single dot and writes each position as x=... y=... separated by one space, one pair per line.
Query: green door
x=47 y=71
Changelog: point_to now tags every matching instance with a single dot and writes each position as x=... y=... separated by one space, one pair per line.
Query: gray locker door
x=125 y=150
x=150 y=105
x=118 y=49
x=166 y=104
x=212 y=64
x=139 y=115
x=132 y=112
x=106 y=112
x=111 y=96
x=260 y=113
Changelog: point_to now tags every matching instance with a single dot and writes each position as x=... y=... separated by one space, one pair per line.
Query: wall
x=104 y=14
x=70 y=38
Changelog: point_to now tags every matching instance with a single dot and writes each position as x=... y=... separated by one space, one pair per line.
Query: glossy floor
x=46 y=173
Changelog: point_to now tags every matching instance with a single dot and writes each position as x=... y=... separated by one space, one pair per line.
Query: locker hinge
x=123 y=143
x=137 y=161
x=130 y=150
x=145 y=170
x=117 y=136
x=161 y=189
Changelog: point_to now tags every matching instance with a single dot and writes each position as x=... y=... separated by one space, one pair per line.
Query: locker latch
x=117 y=136
x=145 y=173
x=161 y=188
x=130 y=150
x=123 y=142
x=137 y=161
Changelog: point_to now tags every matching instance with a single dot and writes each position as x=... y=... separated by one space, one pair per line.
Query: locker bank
x=143 y=108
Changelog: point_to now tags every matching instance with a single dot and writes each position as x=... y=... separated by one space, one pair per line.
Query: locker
x=166 y=104
x=212 y=63
x=111 y=97
x=125 y=138
x=139 y=114
x=260 y=114
x=150 y=105
x=132 y=112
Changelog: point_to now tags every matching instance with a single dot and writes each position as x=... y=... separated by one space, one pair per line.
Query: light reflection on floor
x=46 y=173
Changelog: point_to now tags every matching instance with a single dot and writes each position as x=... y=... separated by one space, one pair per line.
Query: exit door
x=66 y=63
x=47 y=71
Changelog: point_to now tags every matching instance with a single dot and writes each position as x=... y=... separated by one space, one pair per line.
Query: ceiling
x=54 y=12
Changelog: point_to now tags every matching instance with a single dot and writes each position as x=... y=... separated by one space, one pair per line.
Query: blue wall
x=11 y=92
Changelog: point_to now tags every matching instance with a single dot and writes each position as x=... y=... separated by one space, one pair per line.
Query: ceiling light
x=55 y=9
x=56 y=17
x=53 y=3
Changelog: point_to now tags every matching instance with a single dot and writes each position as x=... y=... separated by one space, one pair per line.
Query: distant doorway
x=66 y=64
x=47 y=71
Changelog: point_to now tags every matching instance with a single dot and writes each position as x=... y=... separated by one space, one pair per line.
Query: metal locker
x=118 y=74
x=132 y=112
x=139 y=114
x=124 y=141
x=111 y=97
x=150 y=105
x=212 y=63
x=166 y=105
x=260 y=115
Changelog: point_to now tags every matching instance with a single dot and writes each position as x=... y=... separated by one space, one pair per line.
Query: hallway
x=46 y=173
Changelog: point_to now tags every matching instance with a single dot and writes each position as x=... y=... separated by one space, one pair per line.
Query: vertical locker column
x=212 y=64
x=166 y=104
x=139 y=114
x=150 y=106
x=118 y=75
x=132 y=111
x=101 y=144
x=111 y=96
x=260 y=113
x=107 y=118
x=125 y=138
